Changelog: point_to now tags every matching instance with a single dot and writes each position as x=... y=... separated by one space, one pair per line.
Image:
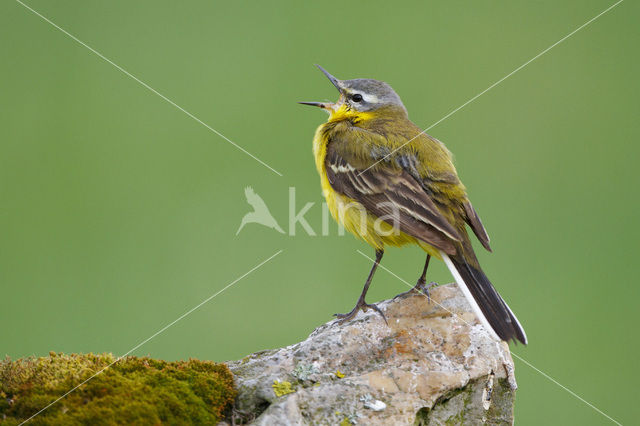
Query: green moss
x=132 y=391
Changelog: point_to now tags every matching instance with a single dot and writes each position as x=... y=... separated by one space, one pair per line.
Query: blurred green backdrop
x=118 y=212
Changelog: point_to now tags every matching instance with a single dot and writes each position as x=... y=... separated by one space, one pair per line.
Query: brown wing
x=408 y=162
x=476 y=225
x=392 y=193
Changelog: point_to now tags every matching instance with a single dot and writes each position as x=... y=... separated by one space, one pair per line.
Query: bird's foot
x=421 y=287
x=360 y=306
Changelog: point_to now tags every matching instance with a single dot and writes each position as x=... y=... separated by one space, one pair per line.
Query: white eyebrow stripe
x=366 y=96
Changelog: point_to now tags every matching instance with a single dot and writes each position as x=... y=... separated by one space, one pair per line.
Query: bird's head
x=360 y=98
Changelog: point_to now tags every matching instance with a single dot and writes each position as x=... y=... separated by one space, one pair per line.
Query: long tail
x=490 y=308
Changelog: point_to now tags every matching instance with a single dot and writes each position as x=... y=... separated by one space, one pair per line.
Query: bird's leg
x=421 y=286
x=361 y=304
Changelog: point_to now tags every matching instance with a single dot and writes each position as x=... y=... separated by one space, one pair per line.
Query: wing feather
x=476 y=225
x=387 y=192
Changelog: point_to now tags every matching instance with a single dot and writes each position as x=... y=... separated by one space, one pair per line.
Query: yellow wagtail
x=391 y=184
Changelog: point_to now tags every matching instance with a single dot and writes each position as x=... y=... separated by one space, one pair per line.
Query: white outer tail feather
x=517 y=322
x=474 y=305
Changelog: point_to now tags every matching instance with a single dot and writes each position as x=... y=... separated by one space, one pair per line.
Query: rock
x=433 y=364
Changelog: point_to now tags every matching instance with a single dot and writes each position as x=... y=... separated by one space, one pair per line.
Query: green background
x=118 y=212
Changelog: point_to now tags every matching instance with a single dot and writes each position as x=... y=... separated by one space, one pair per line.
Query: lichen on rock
x=131 y=391
x=433 y=364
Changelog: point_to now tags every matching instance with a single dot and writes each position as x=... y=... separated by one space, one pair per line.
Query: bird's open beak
x=331 y=78
x=325 y=105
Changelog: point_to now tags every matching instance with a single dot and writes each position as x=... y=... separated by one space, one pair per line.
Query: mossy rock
x=131 y=391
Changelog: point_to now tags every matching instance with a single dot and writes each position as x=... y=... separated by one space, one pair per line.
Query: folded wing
x=388 y=192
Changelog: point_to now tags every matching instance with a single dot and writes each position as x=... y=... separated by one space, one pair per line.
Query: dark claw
x=360 y=306
x=426 y=288
x=416 y=289
x=419 y=288
x=378 y=310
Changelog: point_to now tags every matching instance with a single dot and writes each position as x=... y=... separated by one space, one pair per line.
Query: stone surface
x=433 y=364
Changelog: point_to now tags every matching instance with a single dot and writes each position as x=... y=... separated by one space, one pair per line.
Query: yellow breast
x=353 y=215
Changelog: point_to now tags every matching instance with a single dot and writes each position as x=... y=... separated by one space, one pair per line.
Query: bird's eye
x=357 y=97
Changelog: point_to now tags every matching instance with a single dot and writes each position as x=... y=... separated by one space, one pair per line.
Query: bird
x=260 y=213
x=391 y=184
